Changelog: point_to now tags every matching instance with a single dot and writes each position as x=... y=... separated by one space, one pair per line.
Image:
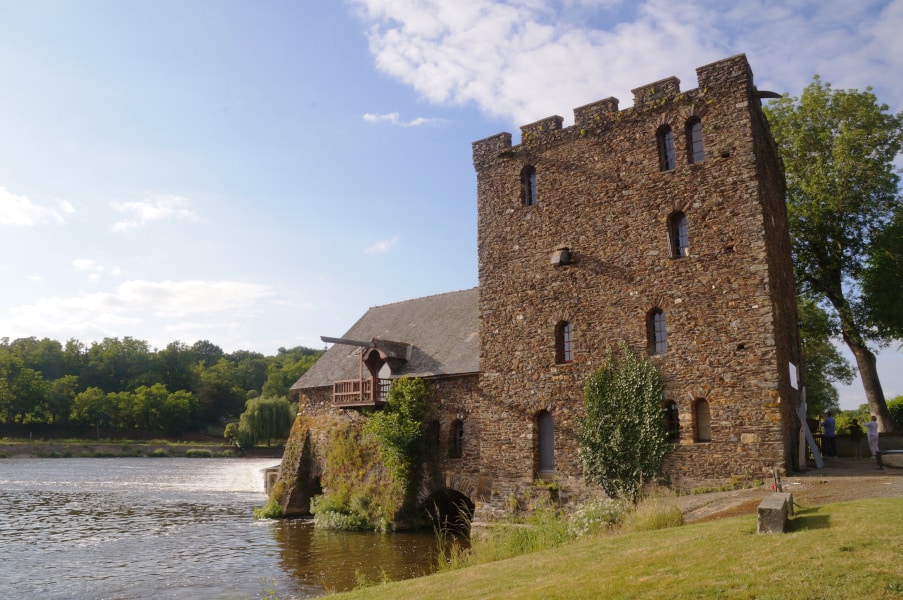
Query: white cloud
x=84 y=264
x=19 y=211
x=381 y=247
x=134 y=306
x=395 y=119
x=529 y=59
x=152 y=209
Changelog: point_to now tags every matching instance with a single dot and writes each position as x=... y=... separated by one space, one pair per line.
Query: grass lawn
x=843 y=550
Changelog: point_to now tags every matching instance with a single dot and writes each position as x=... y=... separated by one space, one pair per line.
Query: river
x=116 y=528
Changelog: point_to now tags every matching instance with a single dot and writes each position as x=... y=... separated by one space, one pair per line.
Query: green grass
x=844 y=550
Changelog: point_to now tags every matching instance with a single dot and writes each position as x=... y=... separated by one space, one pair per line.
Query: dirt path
x=841 y=479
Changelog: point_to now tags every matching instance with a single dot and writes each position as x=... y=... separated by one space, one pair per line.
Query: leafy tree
x=838 y=148
x=92 y=407
x=251 y=369
x=178 y=411
x=175 y=366
x=285 y=371
x=219 y=393
x=895 y=407
x=822 y=363
x=29 y=392
x=44 y=355
x=622 y=438
x=207 y=353
x=882 y=281
x=118 y=365
x=60 y=396
x=75 y=358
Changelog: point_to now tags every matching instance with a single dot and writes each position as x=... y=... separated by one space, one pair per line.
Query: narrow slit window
x=564 y=345
x=672 y=422
x=678 y=235
x=528 y=185
x=695 y=149
x=456 y=441
x=703 y=418
x=666 y=148
x=658 y=339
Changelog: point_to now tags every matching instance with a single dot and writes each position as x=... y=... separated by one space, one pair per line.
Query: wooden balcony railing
x=360 y=392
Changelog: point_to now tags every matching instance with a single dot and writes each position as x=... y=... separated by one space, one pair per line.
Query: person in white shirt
x=872 y=431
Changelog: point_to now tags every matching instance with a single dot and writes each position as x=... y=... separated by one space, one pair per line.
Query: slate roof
x=443 y=330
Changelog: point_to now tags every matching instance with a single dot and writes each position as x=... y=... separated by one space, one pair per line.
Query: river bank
x=10 y=448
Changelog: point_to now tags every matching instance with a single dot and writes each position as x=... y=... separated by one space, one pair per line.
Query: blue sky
x=258 y=174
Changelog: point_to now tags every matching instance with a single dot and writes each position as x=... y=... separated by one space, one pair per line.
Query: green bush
x=895 y=407
x=273 y=507
x=198 y=453
x=622 y=438
x=331 y=519
x=596 y=516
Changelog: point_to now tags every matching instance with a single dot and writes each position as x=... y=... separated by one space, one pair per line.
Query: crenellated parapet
x=655 y=93
x=731 y=76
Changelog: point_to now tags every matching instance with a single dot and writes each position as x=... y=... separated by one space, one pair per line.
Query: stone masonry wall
x=729 y=305
x=451 y=398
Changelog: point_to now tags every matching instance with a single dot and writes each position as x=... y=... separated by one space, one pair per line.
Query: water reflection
x=337 y=561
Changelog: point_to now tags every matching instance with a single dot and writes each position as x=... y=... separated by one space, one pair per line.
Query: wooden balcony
x=354 y=393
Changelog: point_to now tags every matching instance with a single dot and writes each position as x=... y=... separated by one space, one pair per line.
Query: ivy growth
x=398 y=428
x=622 y=439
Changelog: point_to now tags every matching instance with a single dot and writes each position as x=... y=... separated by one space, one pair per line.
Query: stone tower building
x=664 y=226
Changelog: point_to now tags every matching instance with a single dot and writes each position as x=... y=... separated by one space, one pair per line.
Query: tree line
x=125 y=387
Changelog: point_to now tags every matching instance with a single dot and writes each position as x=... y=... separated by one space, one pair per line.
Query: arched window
x=528 y=185
x=456 y=439
x=564 y=346
x=695 y=150
x=665 y=138
x=545 y=428
x=678 y=235
x=655 y=330
x=672 y=422
x=703 y=421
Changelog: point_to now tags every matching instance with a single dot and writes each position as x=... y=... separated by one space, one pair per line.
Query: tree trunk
x=865 y=360
x=868 y=372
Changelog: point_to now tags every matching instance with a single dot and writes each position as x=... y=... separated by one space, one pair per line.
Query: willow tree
x=838 y=148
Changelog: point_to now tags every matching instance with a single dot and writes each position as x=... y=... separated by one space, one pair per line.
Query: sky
x=260 y=173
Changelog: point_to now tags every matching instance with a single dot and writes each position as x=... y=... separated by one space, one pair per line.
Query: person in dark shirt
x=827 y=427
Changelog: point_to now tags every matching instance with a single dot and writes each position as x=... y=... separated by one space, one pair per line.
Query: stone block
x=774 y=512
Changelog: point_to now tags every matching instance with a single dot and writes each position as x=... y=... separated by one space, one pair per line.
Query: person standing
x=827 y=427
x=855 y=437
x=872 y=428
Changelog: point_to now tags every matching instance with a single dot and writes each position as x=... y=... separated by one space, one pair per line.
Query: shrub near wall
x=622 y=437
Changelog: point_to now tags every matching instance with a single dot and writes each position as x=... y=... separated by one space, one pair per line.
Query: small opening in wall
x=729 y=249
x=741 y=347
